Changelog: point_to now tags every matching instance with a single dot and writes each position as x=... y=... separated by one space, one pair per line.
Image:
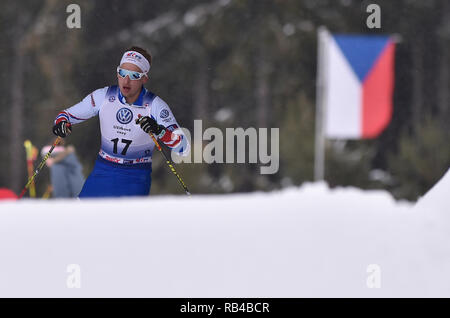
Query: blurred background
x=231 y=63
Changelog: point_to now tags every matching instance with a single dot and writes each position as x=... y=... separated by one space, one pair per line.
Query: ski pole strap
x=39 y=167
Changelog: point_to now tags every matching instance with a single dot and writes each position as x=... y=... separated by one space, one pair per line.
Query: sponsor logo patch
x=164 y=113
x=116 y=160
x=124 y=116
x=134 y=55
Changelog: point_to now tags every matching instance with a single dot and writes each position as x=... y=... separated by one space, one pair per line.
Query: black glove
x=148 y=124
x=62 y=129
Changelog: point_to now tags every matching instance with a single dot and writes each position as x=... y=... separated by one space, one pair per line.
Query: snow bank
x=300 y=242
x=438 y=198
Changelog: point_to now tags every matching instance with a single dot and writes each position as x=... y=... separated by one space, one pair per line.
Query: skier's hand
x=148 y=124
x=62 y=129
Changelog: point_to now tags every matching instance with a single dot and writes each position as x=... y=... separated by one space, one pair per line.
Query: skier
x=127 y=112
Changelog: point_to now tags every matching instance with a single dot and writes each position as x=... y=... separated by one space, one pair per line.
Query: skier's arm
x=172 y=136
x=87 y=108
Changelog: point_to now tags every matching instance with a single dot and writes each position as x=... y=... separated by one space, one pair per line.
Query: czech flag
x=357 y=84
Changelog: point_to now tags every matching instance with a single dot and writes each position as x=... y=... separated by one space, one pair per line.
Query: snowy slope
x=438 y=195
x=300 y=242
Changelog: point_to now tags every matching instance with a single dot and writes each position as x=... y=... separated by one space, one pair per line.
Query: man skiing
x=127 y=112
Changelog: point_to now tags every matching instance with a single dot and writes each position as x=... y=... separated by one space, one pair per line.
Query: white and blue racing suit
x=123 y=166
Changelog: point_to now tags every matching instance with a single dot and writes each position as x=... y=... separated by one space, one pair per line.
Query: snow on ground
x=299 y=242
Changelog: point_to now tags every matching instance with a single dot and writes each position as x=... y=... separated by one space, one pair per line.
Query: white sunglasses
x=133 y=75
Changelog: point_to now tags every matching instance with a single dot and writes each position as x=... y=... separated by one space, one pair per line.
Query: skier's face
x=130 y=89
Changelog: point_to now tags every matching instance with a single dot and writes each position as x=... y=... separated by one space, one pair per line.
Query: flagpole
x=319 y=156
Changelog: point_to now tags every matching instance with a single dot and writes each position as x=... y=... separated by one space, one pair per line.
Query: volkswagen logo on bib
x=124 y=116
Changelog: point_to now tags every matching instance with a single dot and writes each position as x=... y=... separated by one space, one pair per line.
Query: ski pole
x=169 y=163
x=39 y=167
